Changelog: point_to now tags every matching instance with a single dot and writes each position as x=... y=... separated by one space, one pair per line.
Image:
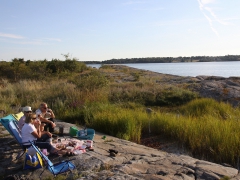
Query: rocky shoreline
x=133 y=162
x=136 y=161
x=216 y=87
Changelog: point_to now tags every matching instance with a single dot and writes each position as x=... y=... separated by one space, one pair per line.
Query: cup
x=69 y=148
x=61 y=131
x=44 y=151
x=89 y=143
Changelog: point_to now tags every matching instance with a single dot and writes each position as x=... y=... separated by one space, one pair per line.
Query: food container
x=77 y=152
x=73 y=131
x=69 y=148
x=89 y=143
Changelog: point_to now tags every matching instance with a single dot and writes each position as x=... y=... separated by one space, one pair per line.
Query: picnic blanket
x=72 y=145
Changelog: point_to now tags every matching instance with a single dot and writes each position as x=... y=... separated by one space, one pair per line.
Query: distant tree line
x=168 y=59
x=18 y=69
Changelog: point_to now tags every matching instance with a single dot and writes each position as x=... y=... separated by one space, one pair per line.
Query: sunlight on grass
x=207 y=128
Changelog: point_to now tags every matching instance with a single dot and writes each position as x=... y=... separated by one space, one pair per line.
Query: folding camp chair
x=55 y=169
x=15 y=131
x=10 y=123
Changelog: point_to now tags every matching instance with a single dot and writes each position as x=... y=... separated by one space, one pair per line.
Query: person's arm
x=52 y=114
x=37 y=133
x=44 y=120
x=46 y=132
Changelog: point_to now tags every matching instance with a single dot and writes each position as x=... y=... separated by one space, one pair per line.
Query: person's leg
x=46 y=126
x=51 y=129
x=50 y=148
x=45 y=145
x=44 y=138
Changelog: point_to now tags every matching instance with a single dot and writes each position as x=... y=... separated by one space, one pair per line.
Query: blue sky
x=98 y=30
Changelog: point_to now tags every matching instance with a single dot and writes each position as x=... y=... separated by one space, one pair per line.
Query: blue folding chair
x=10 y=123
x=15 y=131
x=55 y=169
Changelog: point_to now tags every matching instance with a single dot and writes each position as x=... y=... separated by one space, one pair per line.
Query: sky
x=99 y=30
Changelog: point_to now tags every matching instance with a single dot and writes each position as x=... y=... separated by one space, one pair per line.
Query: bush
x=174 y=96
x=207 y=106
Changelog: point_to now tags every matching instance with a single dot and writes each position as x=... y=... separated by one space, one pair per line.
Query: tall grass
x=208 y=136
x=207 y=106
x=116 y=121
x=209 y=129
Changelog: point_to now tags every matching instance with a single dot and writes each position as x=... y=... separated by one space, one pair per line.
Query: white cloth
x=27 y=133
x=21 y=122
x=46 y=115
x=38 y=111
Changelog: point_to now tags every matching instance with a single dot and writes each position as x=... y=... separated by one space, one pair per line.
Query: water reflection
x=224 y=69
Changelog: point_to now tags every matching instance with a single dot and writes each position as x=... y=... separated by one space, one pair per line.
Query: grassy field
x=114 y=101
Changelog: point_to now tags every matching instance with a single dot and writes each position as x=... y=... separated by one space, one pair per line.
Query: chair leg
x=41 y=173
x=10 y=141
x=20 y=154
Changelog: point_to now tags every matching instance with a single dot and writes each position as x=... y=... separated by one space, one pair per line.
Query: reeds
x=210 y=135
x=209 y=129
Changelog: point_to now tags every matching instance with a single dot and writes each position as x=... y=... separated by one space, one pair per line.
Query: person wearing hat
x=31 y=133
x=46 y=136
x=26 y=110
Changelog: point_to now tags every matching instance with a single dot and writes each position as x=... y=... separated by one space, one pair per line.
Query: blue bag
x=32 y=162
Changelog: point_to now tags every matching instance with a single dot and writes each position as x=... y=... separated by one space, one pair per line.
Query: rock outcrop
x=220 y=88
x=216 y=87
x=133 y=161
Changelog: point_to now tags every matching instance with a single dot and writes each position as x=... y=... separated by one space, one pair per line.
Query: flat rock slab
x=133 y=161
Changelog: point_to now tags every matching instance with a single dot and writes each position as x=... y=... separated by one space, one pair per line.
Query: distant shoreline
x=168 y=59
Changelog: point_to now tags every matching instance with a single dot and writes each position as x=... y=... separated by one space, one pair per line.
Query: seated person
x=30 y=133
x=47 y=116
x=43 y=131
x=45 y=135
x=26 y=111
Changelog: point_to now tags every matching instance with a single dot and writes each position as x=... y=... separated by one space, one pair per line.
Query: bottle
x=60 y=130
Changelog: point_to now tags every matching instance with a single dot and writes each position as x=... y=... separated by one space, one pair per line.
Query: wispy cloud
x=211 y=15
x=215 y=17
x=30 y=42
x=40 y=41
x=211 y=25
x=13 y=36
x=17 y=39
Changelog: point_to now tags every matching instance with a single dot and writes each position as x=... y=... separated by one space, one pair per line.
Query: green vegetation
x=114 y=100
x=169 y=59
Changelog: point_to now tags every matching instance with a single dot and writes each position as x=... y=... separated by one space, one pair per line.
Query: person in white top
x=45 y=136
x=26 y=111
x=47 y=116
x=30 y=133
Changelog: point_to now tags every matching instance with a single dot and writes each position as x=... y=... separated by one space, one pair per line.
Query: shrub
x=174 y=96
